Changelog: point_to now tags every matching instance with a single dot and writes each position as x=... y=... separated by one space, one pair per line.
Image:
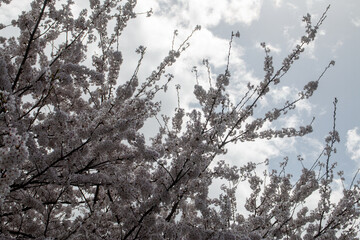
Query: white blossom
x=74 y=163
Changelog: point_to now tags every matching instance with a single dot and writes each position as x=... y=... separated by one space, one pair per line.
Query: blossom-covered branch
x=74 y=163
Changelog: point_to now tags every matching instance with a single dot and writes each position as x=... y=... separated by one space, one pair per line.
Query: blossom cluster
x=75 y=165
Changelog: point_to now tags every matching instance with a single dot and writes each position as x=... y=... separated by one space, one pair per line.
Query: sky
x=276 y=22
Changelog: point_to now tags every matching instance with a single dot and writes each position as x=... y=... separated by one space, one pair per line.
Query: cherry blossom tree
x=75 y=165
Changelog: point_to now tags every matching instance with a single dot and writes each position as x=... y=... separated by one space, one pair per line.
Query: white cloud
x=356 y=21
x=280 y=94
x=211 y=12
x=311 y=3
x=291 y=121
x=257 y=152
x=353 y=143
x=204 y=13
x=292 y=6
x=11 y=11
x=278 y=3
x=243 y=11
x=305 y=105
x=284 y=93
x=338 y=44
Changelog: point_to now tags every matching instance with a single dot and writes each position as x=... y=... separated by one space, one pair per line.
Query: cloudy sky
x=278 y=23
